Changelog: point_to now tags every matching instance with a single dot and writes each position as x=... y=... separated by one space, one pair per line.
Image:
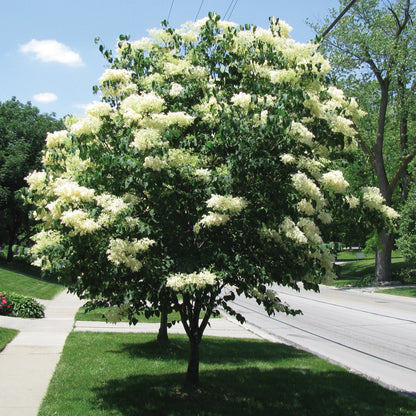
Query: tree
x=406 y=242
x=372 y=49
x=22 y=136
x=206 y=165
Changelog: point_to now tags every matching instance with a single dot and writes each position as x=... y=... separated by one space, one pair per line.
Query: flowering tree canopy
x=206 y=164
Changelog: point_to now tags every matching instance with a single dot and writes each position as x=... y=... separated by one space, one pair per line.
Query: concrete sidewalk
x=28 y=362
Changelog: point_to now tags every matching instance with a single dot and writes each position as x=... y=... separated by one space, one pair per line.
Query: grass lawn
x=132 y=375
x=24 y=280
x=361 y=272
x=6 y=335
x=400 y=291
x=98 y=315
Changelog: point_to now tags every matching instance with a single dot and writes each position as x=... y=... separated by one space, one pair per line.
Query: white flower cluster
x=125 y=251
x=305 y=207
x=301 y=133
x=146 y=138
x=98 y=109
x=80 y=221
x=136 y=105
x=45 y=239
x=36 y=180
x=292 y=231
x=72 y=192
x=180 y=281
x=154 y=163
x=180 y=157
x=202 y=174
x=307 y=186
x=242 y=100
x=287 y=158
x=352 y=201
x=213 y=219
x=163 y=121
x=86 y=125
x=373 y=199
x=175 y=89
x=57 y=138
x=324 y=217
x=111 y=203
x=311 y=230
x=335 y=181
x=116 y=82
x=227 y=204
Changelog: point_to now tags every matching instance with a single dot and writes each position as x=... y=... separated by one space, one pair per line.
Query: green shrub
x=24 y=306
x=406 y=275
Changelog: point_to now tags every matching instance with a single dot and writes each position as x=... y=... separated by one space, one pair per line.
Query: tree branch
x=403 y=166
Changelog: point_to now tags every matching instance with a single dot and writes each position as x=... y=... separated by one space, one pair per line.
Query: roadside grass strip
x=132 y=375
x=27 y=285
x=362 y=272
x=400 y=291
x=6 y=336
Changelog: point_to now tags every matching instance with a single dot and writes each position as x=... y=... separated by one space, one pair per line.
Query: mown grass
x=400 y=291
x=361 y=272
x=6 y=335
x=25 y=280
x=133 y=375
x=98 y=314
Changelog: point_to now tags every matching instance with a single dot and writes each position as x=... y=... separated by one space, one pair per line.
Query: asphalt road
x=369 y=333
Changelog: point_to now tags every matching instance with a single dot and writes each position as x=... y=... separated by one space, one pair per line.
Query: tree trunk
x=162 y=336
x=192 y=375
x=383 y=257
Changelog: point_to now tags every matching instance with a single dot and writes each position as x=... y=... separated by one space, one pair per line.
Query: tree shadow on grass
x=287 y=388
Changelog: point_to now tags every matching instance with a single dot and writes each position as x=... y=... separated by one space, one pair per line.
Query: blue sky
x=47 y=50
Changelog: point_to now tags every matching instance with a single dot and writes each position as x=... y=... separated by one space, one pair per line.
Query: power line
x=229 y=8
x=200 y=6
x=235 y=4
x=170 y=10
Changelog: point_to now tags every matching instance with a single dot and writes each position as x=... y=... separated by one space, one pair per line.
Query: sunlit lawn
x=400 y=291
x=98 y=314
x=26 y=281
x=132 y=375
x=6 y=335
x=361 y=272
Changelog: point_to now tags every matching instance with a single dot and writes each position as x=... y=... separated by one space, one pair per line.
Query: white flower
x=36 y=180
x=287 y=158
x=70 y=191
x=306 y=186
x=179 y=281
x=154 y=163
x=227 y=204
x=292 y=231
x=175 y=89
x=57 y=138
x=335 y=181
x=125 y=251
x=352 y=201
x=242 y=100
x=213 y=219
x=306 y=207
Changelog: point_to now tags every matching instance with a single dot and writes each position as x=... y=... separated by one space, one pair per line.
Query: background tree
x=22 y=137
x=372 y=49
x=207 y=165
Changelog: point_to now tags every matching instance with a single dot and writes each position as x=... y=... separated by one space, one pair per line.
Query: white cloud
x=52 y=51
x=45 y=97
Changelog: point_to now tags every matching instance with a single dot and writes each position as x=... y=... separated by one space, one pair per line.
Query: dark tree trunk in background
x=162 y=336
x=192 y=374
x=383 y=257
